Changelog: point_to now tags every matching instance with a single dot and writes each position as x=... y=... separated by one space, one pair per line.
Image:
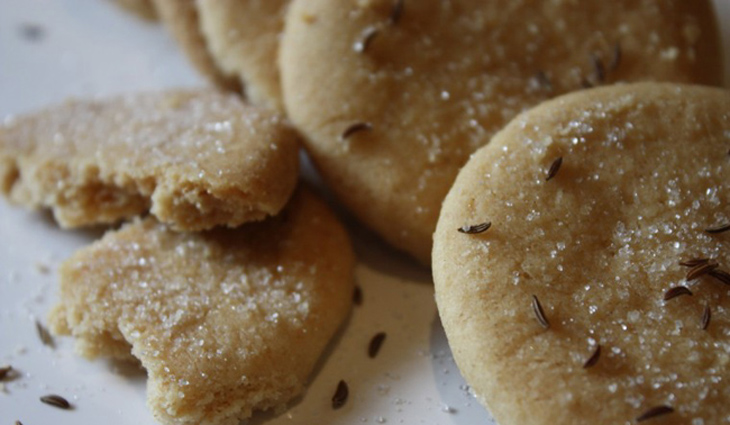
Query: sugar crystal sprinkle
x=539 y=313
x=554 y=167
x=475 y=228
x=593 y=359
x=340 y=396
x=654 y=412
x=56 y=401
x=676 y=292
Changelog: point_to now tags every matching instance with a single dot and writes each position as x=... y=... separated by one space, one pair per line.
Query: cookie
x=405 y=91
x=180 y=17
x=580 y=263
x=194 y=158
x=243 y=38
x=225 y=322
x=233 y=43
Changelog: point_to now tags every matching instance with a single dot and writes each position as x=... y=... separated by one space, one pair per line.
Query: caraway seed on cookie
x=375 y=343
x=340 y=396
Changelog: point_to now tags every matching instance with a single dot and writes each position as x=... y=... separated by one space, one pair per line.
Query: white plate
x=52 y=49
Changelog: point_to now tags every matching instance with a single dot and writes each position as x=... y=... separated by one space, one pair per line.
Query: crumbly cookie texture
x=434 y=80
x=225 y=322
x=243 y=38
x=645 y=172
x=181 y=19
x=196 y=159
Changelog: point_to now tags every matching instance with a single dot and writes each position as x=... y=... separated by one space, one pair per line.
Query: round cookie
x=606 y=210
x=194 y=158
x=393 y=96
x=225 y=322
x=180 y=17
x=243 y=38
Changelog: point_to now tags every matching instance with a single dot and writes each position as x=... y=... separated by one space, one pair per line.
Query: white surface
x=88 y=47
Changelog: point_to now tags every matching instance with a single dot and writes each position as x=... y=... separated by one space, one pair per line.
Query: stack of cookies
x=562 y=165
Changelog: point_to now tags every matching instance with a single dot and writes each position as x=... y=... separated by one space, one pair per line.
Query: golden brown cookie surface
x=643 y=186
x=426 y=84
x=195 y=158
x=226 y=321
x=243 y=38
x=181 y=19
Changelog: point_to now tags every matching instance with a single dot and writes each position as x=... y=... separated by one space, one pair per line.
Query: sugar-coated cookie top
x=436 y=79
x=198 y=158
x=642 y=186
x=224 y=321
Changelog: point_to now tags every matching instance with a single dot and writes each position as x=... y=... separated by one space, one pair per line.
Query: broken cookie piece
x=196 y=159
x=225 y=322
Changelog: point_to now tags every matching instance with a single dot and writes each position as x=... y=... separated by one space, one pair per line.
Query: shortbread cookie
x=195 y=159
x=393 y=96
x=180 y=17
x=607 y=210
x=233 y=43
x=225 y=322
x=243 y=38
